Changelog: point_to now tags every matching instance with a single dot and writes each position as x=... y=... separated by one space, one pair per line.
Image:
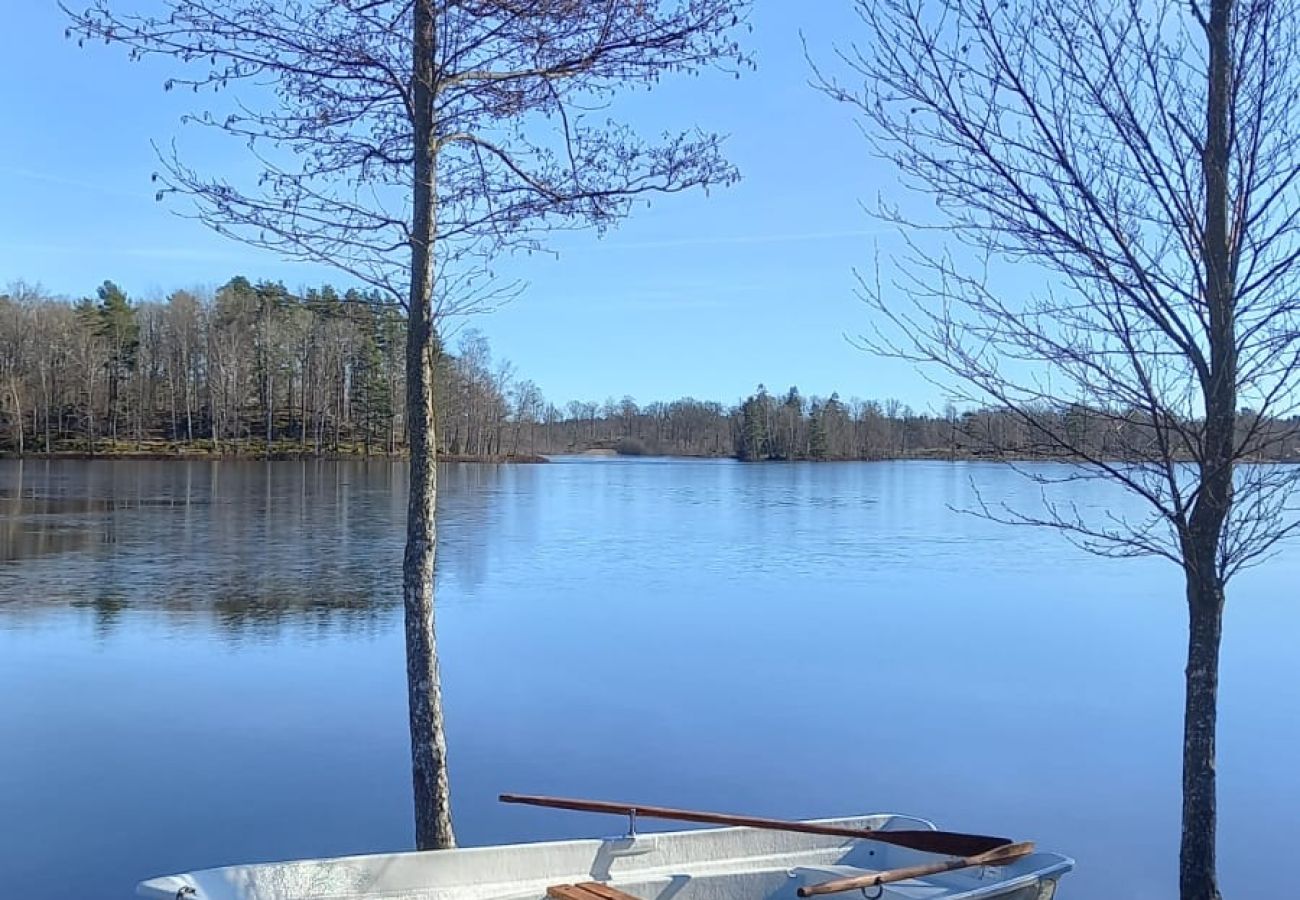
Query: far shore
x=250 y=454
x=192 y=455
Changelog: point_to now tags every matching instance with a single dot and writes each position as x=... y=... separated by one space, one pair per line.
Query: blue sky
x=697 y=295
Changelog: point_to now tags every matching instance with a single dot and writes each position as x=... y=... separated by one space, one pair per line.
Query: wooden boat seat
x=587 y=890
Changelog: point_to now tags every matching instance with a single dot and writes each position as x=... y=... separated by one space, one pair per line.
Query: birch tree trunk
x=189 y=406
x=18 y=415
x=270 y=412
x=433 y=828
x=45 y=390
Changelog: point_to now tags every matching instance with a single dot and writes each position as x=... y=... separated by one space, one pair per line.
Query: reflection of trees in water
x=468 y=502
x=238 y=615
x=247 y=548
x=107 y=609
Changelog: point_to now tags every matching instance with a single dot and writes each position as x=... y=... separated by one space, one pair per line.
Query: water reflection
x=250 y=548
x=244 y=548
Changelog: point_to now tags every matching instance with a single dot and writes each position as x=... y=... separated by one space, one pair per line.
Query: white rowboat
x=740 y=863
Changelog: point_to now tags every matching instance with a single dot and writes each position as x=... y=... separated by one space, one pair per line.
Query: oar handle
x=949 y=843
x=997 y=857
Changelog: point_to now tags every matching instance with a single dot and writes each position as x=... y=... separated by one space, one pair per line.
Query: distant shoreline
x=598 y=453
x=278 y=456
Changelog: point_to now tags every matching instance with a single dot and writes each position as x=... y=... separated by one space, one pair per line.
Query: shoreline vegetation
x=256 y=371
x=251 y=453
x=254 y=452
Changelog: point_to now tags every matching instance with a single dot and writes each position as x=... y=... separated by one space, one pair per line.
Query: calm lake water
x=202 y=664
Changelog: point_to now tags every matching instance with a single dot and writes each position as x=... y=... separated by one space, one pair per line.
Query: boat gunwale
x=1055 y=865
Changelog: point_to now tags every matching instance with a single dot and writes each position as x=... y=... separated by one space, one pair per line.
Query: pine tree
x=817 y=432
x=119 y=330
x=370 y=384
x=755 y=439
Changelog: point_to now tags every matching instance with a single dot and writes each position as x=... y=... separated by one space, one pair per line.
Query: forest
x=254 y=369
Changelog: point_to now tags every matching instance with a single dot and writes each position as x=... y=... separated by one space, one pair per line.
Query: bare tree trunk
x=142 y=394
x=189 y=406
x=45 y=387
x=112 y=407
x=90 y=411
x=1197 y=878
x=302 y=417
x=340 y=388
x=171 y=391
x=288 y=403
x=433 y=828
x=270 y=412
x=18 y=414
x=213 y=425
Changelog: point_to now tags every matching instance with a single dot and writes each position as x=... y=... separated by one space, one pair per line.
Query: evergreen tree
x=118 y=328
x=755 y=438
x=817 y=447
x=786 y=440
x=369 y=381
x=272 y=301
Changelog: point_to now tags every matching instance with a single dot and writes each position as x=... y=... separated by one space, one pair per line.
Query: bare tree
x=1144 y=157
x=529 y=406
x=407 y=139
x=19 y=349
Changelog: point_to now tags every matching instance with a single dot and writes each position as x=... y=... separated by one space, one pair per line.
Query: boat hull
x=699 y=864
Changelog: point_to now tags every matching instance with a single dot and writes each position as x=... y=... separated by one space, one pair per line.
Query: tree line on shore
x=255 y=369
x=250 y=368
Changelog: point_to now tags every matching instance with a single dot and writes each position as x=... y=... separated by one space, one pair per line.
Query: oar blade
x=1000 y=856
x=948 y=843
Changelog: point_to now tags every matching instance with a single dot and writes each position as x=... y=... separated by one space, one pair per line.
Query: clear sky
x=697 y=295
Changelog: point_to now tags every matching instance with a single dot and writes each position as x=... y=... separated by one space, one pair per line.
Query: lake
x=201 y=663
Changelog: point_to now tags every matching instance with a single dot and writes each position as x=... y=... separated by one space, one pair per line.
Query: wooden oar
x=949 y=843
x=995 y=857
